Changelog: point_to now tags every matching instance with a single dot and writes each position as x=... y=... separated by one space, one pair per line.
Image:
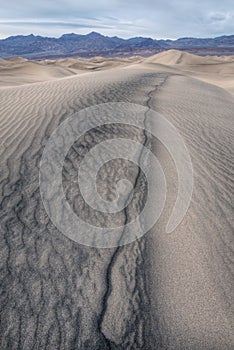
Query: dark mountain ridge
x=92 y=44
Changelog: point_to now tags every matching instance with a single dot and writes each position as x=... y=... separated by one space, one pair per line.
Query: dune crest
x=176 y=57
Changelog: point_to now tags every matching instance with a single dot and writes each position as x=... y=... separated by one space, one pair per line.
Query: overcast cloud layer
x=154 y=18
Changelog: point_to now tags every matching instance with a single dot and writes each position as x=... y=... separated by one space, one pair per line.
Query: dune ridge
x=217 y=70
x=160 y=292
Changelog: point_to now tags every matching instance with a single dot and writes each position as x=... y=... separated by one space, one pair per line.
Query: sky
x=125 y=18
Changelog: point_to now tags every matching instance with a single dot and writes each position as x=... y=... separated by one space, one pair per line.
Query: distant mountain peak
x=70 y=36
x=94 y=34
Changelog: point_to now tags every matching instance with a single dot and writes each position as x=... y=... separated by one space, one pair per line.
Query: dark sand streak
x=57 y=294
x=42 y=270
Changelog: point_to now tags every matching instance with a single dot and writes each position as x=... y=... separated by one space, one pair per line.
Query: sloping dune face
x=211 y=69
x=175 y=57
x=161 y=291
x=20 y=71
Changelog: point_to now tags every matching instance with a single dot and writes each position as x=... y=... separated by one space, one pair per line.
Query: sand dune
x=25 y=72
x=160 y=292
x=19 y=71
x=175 y=57
x=17 y=59
x=211 y=69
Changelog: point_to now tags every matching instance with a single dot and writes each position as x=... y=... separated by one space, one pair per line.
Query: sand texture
x=163 y=291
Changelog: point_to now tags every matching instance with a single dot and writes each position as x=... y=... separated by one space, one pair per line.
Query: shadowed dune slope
x=159 y=292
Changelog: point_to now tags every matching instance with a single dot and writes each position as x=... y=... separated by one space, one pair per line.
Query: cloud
x=53 y=23
x=218 y=17
x=155 y=18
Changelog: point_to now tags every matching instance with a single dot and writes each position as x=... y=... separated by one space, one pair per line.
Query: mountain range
x=93 y=44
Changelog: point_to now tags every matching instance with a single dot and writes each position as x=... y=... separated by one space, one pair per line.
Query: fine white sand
x=217 y=70
x=211 y=69
x=161 y=292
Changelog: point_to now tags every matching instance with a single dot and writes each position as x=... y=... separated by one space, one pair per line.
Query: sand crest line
x=70 y=131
